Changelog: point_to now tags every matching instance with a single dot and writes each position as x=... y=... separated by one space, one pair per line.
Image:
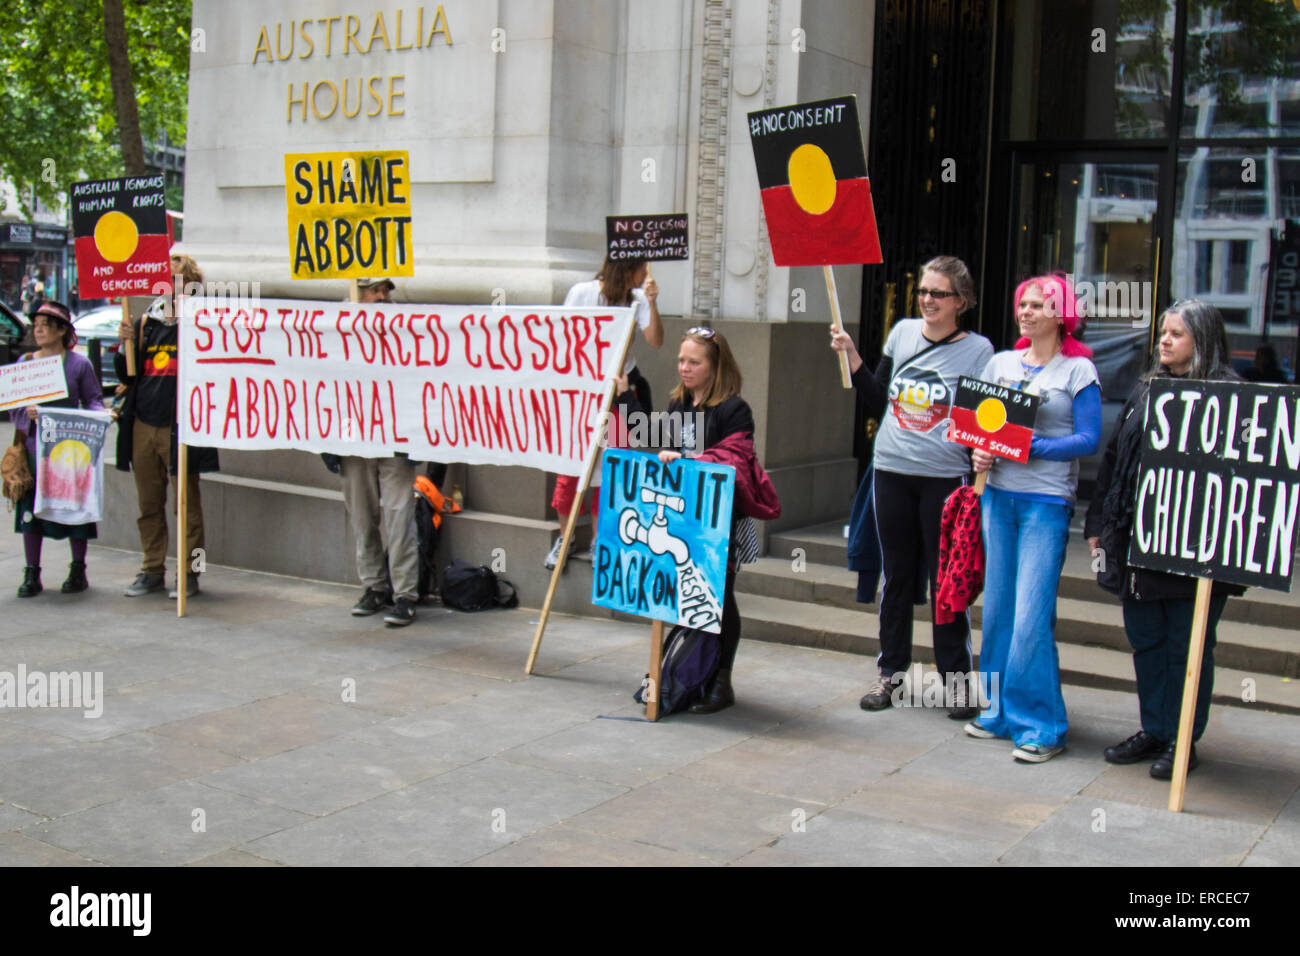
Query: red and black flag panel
x=994 y=418
x=813 y=177
x=122 y=236
x=651 y=237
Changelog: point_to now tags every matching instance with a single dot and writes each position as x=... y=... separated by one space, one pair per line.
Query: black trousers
x=908 y=509
x=729 y=639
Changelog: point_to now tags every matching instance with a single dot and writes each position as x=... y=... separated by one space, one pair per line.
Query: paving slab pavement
x=270 y=727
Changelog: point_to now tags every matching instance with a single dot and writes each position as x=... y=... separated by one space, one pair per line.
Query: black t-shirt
x=729 y=416
x=155 y=382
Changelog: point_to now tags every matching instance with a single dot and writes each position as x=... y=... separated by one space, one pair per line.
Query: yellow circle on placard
x=812 y=179
x=116 y=236
x=991 y=414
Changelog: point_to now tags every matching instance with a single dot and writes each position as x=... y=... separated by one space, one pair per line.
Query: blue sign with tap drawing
x=662 y=539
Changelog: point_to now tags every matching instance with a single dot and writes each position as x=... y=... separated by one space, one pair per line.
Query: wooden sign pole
x=845 y=378
x=129 y=345
x=656 y=666
x=1191 y=684
x=981 y=480
x=182 y=525
x=567 y=541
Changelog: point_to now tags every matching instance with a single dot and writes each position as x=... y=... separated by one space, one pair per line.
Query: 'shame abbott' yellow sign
x=349 y=214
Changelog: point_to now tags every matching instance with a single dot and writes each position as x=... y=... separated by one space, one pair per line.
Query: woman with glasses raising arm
x=916 y=468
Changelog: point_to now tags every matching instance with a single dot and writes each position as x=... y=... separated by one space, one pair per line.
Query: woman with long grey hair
x=1158 y=606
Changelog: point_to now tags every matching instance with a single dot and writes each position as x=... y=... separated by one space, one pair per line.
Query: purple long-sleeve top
x=83 y=392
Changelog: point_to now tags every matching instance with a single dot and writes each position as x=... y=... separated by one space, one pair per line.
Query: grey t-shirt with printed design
x=1057 y=385
x=913 y=433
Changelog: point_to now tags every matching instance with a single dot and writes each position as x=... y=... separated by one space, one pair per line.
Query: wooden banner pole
x=129 y=345
x=567 y=541
x=1191 y=684
x=182 y=524
x=656 y=666
x=981 y=480
x=845 y=378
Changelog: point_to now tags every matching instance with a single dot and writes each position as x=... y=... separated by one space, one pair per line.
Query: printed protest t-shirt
x=913 y=434
x=1057 y=384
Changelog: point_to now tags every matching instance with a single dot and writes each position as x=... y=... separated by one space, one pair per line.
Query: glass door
x=1097 y=223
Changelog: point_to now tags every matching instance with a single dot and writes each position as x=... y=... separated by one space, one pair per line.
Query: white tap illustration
x=655 y=537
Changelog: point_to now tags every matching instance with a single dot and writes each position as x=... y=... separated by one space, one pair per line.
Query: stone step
x=1251 y=647
x=825 y=544
x=781 y=621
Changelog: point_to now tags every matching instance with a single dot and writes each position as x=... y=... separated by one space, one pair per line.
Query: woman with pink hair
x=1026 y=512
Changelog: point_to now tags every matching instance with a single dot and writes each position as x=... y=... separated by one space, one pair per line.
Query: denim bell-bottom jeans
x=1024 y=552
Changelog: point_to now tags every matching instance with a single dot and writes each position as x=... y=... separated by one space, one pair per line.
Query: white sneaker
x=553 y=558
x=979 y=733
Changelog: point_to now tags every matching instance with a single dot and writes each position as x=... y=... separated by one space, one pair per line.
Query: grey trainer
x=144 y=584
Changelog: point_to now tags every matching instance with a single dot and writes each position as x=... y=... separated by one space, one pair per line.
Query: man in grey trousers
x=380 y=498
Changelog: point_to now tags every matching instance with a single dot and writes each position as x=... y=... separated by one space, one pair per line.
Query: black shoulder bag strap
x=929 y=348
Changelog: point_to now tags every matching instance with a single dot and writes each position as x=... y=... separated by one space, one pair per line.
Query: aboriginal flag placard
x=994 y=418
x=813 y=177
x=652 y=237
x=122 y=243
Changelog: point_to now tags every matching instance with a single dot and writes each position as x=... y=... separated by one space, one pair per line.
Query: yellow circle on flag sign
x=991 y=414
x=116 y=236
x=812 y=179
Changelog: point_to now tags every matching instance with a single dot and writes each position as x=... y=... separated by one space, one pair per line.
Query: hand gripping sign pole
x=593 y=454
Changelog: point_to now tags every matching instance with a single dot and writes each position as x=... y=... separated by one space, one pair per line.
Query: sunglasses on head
x=702 y=331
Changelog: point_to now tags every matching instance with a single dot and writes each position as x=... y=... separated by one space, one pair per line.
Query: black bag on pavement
x=469 y=588
x=690 y=661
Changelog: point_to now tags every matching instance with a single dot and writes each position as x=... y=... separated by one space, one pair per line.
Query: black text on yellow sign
x=349 y=214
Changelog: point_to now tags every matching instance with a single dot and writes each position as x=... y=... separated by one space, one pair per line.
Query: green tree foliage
x=59 y=121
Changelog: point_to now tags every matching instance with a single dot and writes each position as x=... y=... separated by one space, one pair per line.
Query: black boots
x=718 y=695
x=31 y=585
x=76 y=582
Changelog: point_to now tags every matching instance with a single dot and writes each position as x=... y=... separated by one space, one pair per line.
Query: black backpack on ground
x=469 y=588
x=690 y=661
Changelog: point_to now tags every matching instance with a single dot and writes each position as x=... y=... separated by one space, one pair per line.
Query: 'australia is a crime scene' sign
x=349 y=214
x=1219 y=482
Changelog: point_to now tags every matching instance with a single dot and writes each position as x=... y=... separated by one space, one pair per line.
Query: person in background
x=1026 y=511
x=147 y=435
x=916 y=469
x=623 y=282
x=378 y=496
x=1266 y=368
x=52 y=326
x=1157 y=606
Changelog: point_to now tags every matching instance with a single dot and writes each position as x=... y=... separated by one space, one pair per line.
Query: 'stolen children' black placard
x=652 y=237
x=1219 y=483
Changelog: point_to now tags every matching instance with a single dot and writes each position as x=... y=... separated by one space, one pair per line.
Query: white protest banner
x=500 y=386
x=33 y=382
x=70 y=465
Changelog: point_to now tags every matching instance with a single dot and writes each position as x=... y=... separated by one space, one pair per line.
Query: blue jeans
x=1024 y=552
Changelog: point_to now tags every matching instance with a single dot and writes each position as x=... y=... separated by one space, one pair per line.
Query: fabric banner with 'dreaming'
x=498 y=386
x=70 y=465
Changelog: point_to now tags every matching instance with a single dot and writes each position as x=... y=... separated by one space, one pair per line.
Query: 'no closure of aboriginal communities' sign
x=651 y=237
x=1219 y=482
x=520 y=386
x=661 y=544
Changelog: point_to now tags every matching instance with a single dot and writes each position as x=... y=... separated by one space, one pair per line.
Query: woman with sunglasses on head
x=709 y=382
x=1157 y=606
x=1026 y=511
x=916 y=468
x=54 y=334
